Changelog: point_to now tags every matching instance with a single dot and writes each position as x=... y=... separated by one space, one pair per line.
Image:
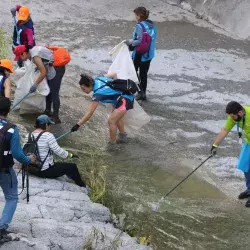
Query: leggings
x=60 y=169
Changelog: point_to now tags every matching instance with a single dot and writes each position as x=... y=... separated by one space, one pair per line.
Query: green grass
x=4 y=43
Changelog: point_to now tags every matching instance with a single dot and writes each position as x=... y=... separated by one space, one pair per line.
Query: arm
x=39 y=64
x=7 y=88
x=16 y=149
x=139 y=33
x=220 y=137
x=111 y=75
x=53 y=145
x=91 y=111
x=30 y=37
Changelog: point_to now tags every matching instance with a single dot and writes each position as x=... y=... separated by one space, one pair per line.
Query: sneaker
x=48 y=113
x=112 y=146
x=122 y=137
x=248 y=203
x=4 y=237
x=56 y=120
x=244 y=195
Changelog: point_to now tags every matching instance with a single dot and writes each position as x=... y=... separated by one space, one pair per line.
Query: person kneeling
x=46 y=145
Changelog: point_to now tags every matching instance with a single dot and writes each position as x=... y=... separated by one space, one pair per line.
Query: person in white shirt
x=47 y=145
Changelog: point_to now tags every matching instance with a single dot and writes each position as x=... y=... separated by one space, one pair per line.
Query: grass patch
x=4 y=42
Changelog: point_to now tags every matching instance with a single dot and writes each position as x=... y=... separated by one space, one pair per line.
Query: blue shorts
x=244 y=159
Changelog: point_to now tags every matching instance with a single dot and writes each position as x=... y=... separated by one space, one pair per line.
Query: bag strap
x=106 y=84
x=6 y=127
x=37 y=151
x=142 y=26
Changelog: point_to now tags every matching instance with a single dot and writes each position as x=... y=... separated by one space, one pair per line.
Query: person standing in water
x=142 y=61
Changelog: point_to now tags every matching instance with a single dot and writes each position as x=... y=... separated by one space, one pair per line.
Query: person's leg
x=120 y=126
x=144 y=67
x=114 y=118
x=62 y=168
x=55 y=85
x=8 y=183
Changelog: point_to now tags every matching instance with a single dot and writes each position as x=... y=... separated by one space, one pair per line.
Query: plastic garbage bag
x=35 y=102
x=123 y=66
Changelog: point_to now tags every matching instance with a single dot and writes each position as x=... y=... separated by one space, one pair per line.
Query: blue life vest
x=17 y=37
x=7 y=154
x=2 y=80
x=105 y=94
x=151 y=30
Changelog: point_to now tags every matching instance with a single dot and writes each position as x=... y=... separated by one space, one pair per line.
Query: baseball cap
x=23 y=13
x=4 y=105
x=44 y=119
x=18 y=51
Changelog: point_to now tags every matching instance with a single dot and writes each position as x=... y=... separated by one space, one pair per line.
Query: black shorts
x=124 y=104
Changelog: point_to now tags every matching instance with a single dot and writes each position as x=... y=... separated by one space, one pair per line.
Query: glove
x=33 y=88
x=127 y=42
x=75 y=128
x=214 y=150
x=73 y=156
x=13 y=11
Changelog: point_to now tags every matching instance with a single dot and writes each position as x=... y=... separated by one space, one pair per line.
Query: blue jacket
x=105 y=94
x=15 y=149
x=137 y=36
x=2 y=80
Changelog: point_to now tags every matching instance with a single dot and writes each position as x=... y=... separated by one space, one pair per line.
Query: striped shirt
x=47 y=142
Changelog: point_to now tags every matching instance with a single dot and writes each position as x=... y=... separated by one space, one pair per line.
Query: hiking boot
x=248 y=203
x=48 y=113
x=122 y=137
x=56 y=120
x=244 y=195
x=139 y=96
x=144 y=97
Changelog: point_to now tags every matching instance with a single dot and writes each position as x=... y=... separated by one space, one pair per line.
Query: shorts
x=124 y=104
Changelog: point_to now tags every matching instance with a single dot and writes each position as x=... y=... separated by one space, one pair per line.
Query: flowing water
x=195 y=73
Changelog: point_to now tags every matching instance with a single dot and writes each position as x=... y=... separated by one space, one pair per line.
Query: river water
x=197 y=70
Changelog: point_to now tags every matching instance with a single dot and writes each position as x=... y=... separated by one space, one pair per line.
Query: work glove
x=73 y=156
x=214 y=150
x=13 y=11
x=127 y=42
x=33 y=88
x=75 y=128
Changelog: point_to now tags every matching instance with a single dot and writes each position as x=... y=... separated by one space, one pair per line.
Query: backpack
x=128 y=86
x=31 y=147
x=3 y=131
x=144 y=46
x=61 y=56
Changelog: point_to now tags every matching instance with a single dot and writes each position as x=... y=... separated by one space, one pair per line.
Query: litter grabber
x=157 y=206
x=16 y=104
x=61 y=136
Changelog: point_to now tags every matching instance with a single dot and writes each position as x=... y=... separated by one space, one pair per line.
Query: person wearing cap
x=8 y=179
x=43 y=58
x=23 y=33
x=6 y=68
x=47 y=145
x=240 y=116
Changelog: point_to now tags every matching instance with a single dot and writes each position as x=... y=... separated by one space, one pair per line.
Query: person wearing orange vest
x=6 y=68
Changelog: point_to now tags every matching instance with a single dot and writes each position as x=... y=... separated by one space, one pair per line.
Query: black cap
x=4 y=105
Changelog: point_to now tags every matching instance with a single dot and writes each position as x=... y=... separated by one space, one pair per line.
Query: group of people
x=25 y=48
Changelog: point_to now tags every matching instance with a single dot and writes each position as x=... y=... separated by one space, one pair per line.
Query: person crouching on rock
x=6 y=68
x=47 y=144
x=105 y=94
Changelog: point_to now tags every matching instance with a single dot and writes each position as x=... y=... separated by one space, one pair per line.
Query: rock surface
x=60 y=215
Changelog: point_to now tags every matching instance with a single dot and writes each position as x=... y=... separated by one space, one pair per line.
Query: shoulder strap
x=142 y=26
x=102 y=85
x=6 y=127
x=38 y=137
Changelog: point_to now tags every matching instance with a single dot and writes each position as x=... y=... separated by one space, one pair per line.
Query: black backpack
x=127 y=87
x=3 y=131
x=31 y=147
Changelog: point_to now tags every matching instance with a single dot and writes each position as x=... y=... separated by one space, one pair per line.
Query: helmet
x=7 y=64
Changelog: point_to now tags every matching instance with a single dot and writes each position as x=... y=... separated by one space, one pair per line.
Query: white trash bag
x=123 y=66
x=35 y=102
